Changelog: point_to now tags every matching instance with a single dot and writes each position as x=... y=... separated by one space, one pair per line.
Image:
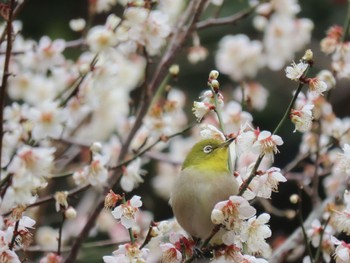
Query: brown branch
x=6 y=73
x=229 y=20
x=194 y=10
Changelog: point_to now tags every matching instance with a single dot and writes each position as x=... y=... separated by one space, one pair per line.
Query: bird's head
x=208 y=154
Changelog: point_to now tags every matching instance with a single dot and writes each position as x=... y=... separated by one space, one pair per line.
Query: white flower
x=200 y=109
x=343 y=162
x=46 y=237
x=295 y=71
x=7 y=255
x=35 y=160
x=128 y=253
x=51 y=258
x=327 y=77
x=47 y=119
x=132 y=175
x=342 y=252
x=254 y=233
x=209 y=131
x=267 y=143
x=232 y=212
x=317 y=86
x=100 y=38
x=255 y=95
x=104 y=5
x=302 y=118
x=77 y=24
x=239 y=57
x=262 y=185
x=234 y=117
x=126 y=213
x=170 y=253
x=97 y=172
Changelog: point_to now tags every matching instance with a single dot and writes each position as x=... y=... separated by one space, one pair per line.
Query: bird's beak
x=226 y=143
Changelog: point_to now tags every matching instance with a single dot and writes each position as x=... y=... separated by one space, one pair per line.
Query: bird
x=205 y=179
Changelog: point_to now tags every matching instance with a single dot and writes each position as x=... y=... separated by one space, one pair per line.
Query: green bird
x=205 y=180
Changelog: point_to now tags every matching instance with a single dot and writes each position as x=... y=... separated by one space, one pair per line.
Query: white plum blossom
x=234 y=117
x=317 y=86
x=296 y=71
x=51 y=258
x=208 y=131
x=255 y=95
x=131 y=177
x=126 y=213
x=239 y=57
x=207 y=104
x=170 y=253
x=341 y=219
x=267 y=182
x=342 y=251
x=47 y=120
x=267 y=143
x=127 y=253
x=254 y=235
x=232 y=212
x=302 y=118
x=343 y=162
x=101 y=38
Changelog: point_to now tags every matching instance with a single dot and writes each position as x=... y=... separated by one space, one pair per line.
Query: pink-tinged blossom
x=51 y=258
x=207 y=104
x=239 y=57
x=267 y=182
x=8 y=256
x=209 y=131
x=296 y=71
x=342 y=251
x=302 y=118
x=255 y=95
x=317 y=86
x=38 y=161
x=170 y=253
x=267 y=143
x=128 y=253
x=315 y=233
x=327 y=77
x=132 y=175
x=96 y=173
x=234 y=117
x=252 y=259
x=47 y=120
x=126 y=213
x=232 y=212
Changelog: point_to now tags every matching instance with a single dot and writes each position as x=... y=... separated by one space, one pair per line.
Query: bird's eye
x=207 y=149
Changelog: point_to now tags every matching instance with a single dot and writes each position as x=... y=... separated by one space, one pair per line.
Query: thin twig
x=60 y=234
x=6 y=72
x=229 y=20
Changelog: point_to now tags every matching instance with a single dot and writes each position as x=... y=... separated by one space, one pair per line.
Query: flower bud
x=294 y=199
x=308 y=56
x=215 y=85
x=96 y=147
x=112 y=199
x=61 y=200
x=174 y=70
x=70 y=213
x=214 y=74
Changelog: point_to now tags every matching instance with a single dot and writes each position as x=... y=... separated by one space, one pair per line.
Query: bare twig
x=6 y=73
x=229 y=20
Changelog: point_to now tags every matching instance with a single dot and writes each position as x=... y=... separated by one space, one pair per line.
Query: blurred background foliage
x=43 y=17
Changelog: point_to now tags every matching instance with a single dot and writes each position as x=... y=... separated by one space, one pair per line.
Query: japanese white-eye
x=205 y=180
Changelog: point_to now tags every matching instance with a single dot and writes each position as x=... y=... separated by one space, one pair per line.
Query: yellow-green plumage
x=204 y=180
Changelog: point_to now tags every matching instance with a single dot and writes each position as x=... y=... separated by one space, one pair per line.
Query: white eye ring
x=208 y=149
